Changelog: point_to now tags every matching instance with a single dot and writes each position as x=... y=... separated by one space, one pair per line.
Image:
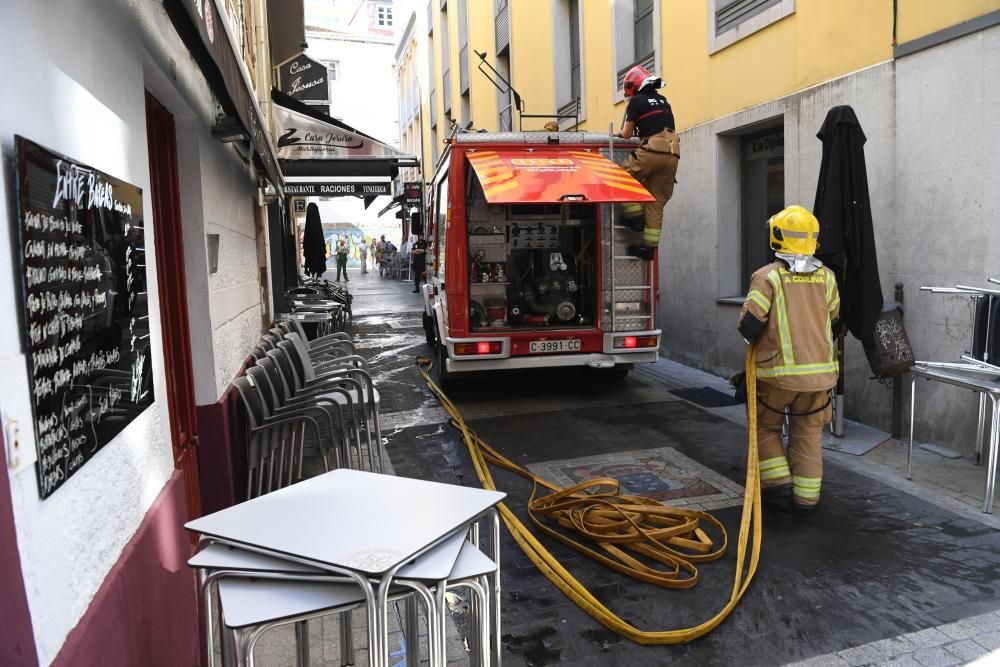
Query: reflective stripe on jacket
x=796 y=350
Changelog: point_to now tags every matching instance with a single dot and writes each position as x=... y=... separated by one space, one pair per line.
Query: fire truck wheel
x=445 y=379
x=429 y=331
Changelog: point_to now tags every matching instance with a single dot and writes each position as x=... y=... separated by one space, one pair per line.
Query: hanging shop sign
x=83 y=269
x=304 y=79
x=413 y=193
x=337 y=189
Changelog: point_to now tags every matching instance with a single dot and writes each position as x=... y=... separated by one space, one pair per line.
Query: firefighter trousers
x=654 y=164
x=803 y=465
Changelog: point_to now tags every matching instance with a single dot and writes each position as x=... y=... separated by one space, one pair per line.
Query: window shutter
x=730 y=13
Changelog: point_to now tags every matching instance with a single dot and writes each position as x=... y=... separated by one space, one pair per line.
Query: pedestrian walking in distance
x=418 y=254
x=342 y=251
x=380 y=254
x=790 y=311
x=654 y=163
x=363 y=253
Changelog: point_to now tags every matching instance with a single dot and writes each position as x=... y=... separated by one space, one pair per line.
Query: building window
x=762 y=195
x=445 y=64
x=505 y=102
x=636 y=36
x=332 y=70
x=384 y=16
x=731 y=20
x=642 y=21
x=568 y=62
x=574 y=48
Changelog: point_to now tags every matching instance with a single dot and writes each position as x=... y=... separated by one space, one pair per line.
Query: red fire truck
x=527 y=266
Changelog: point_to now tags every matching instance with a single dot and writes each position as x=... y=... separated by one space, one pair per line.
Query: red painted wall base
x=145 y=612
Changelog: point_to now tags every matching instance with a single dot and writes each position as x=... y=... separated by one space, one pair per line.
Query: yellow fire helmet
x=793 y=231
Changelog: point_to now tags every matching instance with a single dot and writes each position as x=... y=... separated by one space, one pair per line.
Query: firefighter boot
x=644 y=252
x=778 y=497
x=632 y=217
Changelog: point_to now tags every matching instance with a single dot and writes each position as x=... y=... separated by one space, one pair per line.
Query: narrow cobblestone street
x=888 y=572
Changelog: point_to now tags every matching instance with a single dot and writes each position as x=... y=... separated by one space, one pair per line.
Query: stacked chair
x=312 y=399
x=321 y=302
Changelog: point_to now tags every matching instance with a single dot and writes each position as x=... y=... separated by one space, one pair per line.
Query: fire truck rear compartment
x=531 y=266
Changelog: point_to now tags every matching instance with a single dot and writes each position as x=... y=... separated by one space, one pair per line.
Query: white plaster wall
x=234 y=292
x=75 y=83
x=932 y=177
x=948 y=208
x=364 y=94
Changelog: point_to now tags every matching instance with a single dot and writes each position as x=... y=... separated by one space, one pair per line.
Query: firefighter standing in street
x=654 y=162
x=789 y=311
x=418 y=253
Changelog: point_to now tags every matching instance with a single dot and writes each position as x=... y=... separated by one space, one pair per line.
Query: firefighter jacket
x=795 y=312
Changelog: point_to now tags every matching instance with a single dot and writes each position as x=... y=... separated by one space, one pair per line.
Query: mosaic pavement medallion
x=662 y=474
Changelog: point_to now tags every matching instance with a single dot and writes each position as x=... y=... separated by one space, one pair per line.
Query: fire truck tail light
x=633 y=342
x=481 y=347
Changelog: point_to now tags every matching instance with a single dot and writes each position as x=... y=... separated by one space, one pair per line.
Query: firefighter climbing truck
x=527 y=264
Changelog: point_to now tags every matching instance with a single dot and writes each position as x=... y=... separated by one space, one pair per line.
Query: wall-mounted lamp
x=228 y=129
x=266 y=192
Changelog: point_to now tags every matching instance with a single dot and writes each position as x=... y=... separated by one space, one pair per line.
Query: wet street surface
x=873 y=564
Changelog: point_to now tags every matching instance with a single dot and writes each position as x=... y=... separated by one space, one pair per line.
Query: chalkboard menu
x=83 y=269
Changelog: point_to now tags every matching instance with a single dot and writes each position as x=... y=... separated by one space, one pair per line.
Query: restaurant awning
x=315 y=145
x=551 y=177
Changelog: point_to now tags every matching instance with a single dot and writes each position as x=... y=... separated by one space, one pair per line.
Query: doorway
x=763 y=195
x=161 y=136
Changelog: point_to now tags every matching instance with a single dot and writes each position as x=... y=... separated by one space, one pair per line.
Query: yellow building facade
x=750 y=82
x=788 y=46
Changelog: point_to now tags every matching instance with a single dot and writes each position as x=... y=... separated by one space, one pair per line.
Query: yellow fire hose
x=620 y=524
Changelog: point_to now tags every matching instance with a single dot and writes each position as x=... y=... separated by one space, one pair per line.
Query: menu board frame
x=81 y=253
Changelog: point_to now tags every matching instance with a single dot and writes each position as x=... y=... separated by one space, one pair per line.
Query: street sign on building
x=330 y=189
x=413 y=192
x=304 y=79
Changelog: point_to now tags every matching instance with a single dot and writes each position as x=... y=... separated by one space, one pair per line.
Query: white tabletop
x=355 y=520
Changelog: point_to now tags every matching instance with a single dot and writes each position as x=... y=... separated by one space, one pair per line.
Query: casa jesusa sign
x=305 y=79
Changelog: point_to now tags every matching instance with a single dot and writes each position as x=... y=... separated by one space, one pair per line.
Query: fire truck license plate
x=546 y=346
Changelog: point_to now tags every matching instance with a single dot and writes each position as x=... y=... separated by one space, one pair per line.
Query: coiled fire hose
x=620 y=524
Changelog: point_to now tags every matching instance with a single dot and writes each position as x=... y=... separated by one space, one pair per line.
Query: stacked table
x=367 y=528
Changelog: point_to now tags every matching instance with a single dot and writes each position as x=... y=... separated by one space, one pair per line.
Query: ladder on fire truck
x=628 y=280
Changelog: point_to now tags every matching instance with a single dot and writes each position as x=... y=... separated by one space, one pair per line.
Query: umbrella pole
x=838 y=399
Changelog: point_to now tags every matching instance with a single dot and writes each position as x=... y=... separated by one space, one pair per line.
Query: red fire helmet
x=636 y=78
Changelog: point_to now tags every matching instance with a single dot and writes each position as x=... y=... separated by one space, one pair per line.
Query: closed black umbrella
x=843 y=207
x=314 y=243
x=846 y=233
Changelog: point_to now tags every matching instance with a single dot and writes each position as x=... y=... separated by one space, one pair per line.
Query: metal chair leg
x=302 y=643
x=412 y=632
x=346 y=639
